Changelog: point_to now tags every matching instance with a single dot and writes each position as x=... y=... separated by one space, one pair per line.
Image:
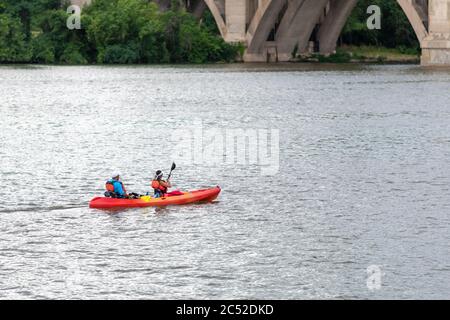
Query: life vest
x=158 y=186
x=110 y=186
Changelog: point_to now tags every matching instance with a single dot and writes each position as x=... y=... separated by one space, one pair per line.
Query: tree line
x=135 y=31
x=113 y=31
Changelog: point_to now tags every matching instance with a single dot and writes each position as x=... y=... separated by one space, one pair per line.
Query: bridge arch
x=299 y=28
x=340 y=11
x=262 y=23
x=412 y=9
x=216 y=12
x=299 y=21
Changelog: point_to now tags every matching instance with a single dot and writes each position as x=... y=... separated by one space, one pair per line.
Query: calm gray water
x=363 y=182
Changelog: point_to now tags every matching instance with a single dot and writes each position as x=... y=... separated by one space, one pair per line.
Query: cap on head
x=116 y=175
x=159 y=174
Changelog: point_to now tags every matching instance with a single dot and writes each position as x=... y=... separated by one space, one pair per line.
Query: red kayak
x=206 y=195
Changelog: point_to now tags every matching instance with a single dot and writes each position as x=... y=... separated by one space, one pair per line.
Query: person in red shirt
x=160 y=186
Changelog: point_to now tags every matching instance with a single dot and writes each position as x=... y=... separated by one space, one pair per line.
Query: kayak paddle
x=173 y=168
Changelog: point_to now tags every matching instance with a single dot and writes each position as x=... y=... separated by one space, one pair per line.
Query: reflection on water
x=363 y=181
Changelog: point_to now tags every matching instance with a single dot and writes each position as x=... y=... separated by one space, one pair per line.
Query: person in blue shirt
x=115 y=188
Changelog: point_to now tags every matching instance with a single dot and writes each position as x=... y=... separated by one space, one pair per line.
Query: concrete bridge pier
x=235 y=20
x=436 y=45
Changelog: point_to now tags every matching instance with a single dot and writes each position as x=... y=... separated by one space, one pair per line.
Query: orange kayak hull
x=206 y=195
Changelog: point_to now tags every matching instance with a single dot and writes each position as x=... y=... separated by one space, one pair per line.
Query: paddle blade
x=173 y=166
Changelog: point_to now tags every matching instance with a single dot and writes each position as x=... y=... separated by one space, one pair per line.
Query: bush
x=408 y=50
x=13 y=47
x=43 y=50
x=120 y=54
x=395 y=30
x=73 y=55
x=338 y=57
x=114 y=31
x=56 y=43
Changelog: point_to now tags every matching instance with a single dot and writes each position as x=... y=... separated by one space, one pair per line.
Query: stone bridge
x=272 y=30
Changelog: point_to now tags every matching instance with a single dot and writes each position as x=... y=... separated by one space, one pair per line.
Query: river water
x=355 y=205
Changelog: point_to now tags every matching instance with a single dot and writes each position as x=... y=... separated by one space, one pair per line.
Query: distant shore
x=344 y=54
x=364 y=54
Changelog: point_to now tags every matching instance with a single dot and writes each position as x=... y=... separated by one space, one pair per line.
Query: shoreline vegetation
x=112 y=32
x=364 y=54
x=136 y=32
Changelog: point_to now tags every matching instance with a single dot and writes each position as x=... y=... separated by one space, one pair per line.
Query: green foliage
x=113 y=31
x=338 y=57
x=135 y=31
x=115 y=26
x=12 y=34
x=73 y=54
x=209 y=23
x=43 y=50
x=120 y=54
x=366 y=53
x=395 y=27
x=187 y=41
x=56 y=43
x=408 y=50
x=20 y=9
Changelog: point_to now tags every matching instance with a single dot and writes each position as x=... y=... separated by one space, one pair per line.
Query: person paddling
x=115 y=188
x=159 y=185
